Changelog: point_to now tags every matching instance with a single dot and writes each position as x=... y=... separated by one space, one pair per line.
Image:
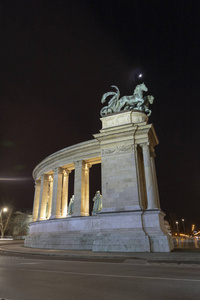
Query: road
x=47 y=279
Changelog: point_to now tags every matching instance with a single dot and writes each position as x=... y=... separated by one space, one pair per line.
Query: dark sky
x=59 y=57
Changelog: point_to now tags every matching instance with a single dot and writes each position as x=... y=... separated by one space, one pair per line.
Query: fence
x=186 y=242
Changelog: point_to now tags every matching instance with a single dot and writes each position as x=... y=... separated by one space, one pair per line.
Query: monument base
x=110 y=232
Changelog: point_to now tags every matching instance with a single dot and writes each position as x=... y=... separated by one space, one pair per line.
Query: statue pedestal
x=133 y=232
x=122 y=138
x=129 y=186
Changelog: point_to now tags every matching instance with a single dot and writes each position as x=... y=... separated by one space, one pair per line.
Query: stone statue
x=71 y=206
x=135 y=101
x=47 y=210
x=97 y=203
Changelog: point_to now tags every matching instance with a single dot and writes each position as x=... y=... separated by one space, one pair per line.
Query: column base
x=153 y=224
x=84 y=214
x=41 y=219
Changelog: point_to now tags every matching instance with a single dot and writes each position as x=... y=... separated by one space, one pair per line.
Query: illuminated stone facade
x=131 y=219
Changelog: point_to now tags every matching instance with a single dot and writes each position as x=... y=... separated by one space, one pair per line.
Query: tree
x=5 y=215
x=19 y=223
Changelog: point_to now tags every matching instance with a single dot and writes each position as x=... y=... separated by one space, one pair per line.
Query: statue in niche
x=97 y=206
x=71 y=206
x=47 y=210
x=135 y=101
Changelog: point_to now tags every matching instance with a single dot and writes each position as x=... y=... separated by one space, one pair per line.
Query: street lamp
x=2 y=227
x=177 y=228
x=193 y=228
x=5 y=209
x=183 y=225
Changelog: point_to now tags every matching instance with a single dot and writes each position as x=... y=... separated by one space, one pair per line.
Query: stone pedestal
x=119 y=139
x=129 y=184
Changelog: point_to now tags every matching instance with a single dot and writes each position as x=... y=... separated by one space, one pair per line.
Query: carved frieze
x=125 y=118
x=116 y=150
x=117 y=121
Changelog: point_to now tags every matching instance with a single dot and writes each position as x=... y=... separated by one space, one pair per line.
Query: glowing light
x=184 y=235
x=5 y=209
x=140 y=76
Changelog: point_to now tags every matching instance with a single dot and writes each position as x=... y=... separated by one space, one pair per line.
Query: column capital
x=78 y=163
x=44 y=177
x=57 y=170
x=88 y=166
x=145 y=146
x=50 y=177
x=37 y=182
x=66 y=172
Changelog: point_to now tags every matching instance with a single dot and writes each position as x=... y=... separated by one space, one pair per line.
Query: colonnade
x=51 y=192
x=51 y=189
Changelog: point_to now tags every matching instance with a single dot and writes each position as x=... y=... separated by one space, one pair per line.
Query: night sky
x=59 y=57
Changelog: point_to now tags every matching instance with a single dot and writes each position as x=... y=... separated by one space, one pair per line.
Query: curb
x=114 y=259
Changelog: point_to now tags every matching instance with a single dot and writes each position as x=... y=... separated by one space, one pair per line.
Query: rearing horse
x=135 y=101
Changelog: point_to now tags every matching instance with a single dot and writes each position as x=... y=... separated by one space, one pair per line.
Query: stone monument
x=128 y=217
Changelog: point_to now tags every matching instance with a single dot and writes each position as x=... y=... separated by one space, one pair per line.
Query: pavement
x=178 y=255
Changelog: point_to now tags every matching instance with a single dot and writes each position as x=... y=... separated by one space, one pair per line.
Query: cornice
x=82 y=151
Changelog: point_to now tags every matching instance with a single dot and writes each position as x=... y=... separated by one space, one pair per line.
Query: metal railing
x=186 y=242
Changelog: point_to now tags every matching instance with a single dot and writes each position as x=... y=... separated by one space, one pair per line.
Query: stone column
x=36 y=199
x=150 y=186
x=81 y=203
x=153 y=167
x=43 y=197
x=85 y=203
x=50 y=195
x=65 y=193
x=57 y=192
